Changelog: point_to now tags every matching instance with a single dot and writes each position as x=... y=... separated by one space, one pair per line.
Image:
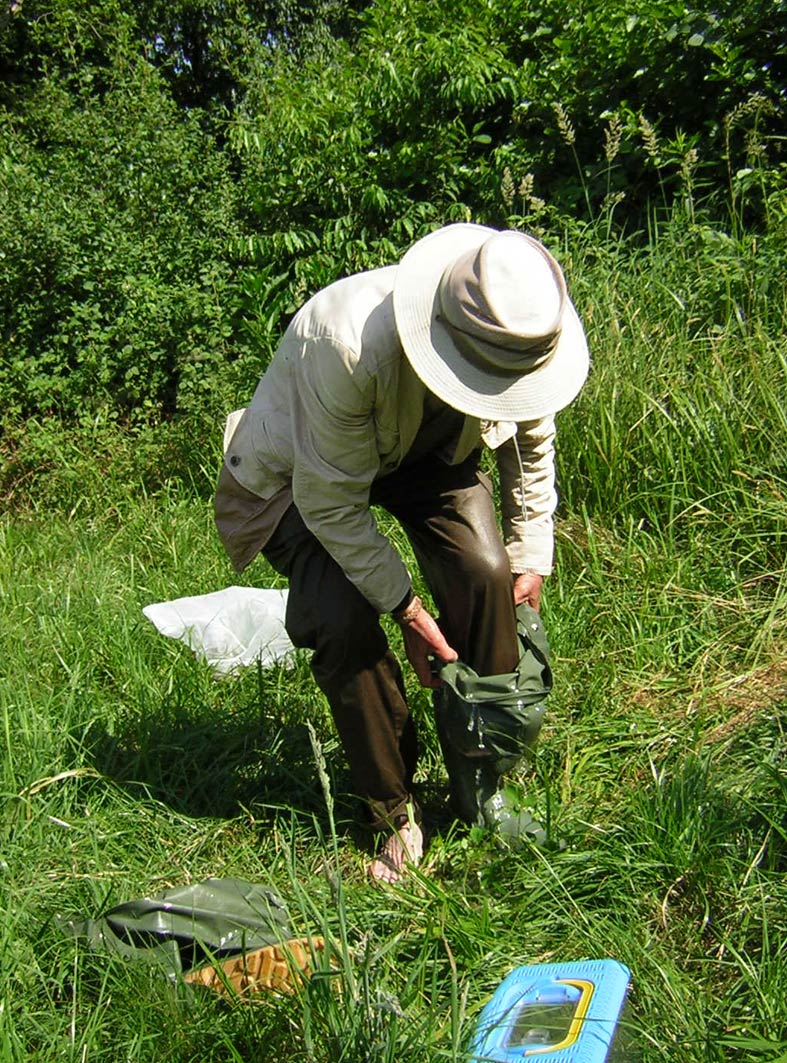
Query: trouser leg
x=448 y=513
x=450 y=519
x=352 y=665
x=449 y=516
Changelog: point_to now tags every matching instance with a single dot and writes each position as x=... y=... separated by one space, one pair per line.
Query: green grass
x=127 y=767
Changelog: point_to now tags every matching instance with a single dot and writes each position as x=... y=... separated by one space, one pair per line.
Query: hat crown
x=509 y=293
x=486 y=323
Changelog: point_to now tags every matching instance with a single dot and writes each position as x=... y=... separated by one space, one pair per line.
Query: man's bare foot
x=404 y=846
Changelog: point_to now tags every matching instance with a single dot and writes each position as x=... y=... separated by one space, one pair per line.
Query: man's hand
x=424 y=639
x=527 y=589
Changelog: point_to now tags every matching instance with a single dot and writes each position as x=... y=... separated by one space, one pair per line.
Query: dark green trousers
x=448 y=514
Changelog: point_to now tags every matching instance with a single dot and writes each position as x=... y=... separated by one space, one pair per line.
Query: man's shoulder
x=355 y=312
x=373 y=282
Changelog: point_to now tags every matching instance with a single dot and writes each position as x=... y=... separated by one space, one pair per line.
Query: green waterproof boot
x=486 y=724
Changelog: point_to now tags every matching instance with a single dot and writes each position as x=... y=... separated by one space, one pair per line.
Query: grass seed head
x=649 y=138
x=612 y=135
x=507 y=187
x=564 y=125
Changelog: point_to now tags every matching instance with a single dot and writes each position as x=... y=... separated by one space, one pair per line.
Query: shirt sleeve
x=335 y=463
x=526 y=463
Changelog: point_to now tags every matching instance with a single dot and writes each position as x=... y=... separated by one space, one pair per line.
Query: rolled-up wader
x=487 y=724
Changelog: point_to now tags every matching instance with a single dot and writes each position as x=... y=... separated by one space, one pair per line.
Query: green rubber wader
x=179 y=927
x=487 y=724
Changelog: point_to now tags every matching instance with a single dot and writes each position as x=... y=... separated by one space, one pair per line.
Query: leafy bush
x=116 y=281
x=152 y=251
x=523 y=114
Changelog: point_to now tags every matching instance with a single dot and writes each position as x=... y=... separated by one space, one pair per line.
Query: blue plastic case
x=558 y=1012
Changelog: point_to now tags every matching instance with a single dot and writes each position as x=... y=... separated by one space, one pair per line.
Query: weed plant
x=127 y=767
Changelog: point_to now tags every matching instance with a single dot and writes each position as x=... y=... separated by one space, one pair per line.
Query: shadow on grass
x=204 y=763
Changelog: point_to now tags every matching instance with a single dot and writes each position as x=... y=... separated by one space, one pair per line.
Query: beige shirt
x=340 y=406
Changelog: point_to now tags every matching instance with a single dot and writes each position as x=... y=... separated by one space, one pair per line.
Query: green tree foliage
x=40 y=39
x=177 y=177
x=205 y=49
x=435 y=93
x=120 y=217
x=444 y=111
x=346 y=160
x=202 y=49
x=116 y=285
x=681 y=67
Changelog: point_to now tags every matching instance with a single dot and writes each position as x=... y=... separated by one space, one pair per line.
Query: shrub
x=116 y=279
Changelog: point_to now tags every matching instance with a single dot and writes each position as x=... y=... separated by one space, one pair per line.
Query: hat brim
x=443 y=368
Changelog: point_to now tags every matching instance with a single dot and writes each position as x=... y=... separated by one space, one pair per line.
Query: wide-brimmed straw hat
x=485 y=321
